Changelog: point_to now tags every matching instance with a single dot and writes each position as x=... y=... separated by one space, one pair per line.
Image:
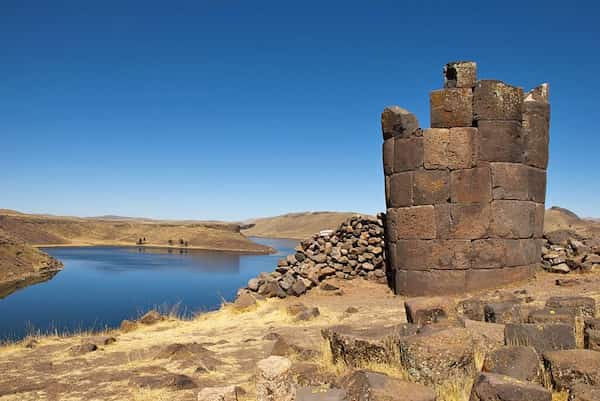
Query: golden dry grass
x=296 y=225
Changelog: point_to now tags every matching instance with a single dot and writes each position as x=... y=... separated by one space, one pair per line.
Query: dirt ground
x=144 y=364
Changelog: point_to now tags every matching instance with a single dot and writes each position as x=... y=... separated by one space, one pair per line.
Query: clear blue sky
x=236 y=109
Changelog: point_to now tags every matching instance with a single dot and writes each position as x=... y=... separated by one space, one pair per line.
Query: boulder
x=363 y=385
x=151 y=317
x=426 y=310
x=573 y=366
x=471 y=308
x=436 y=355
x=84 y=348
x=244 y=301
x=494 y=387
x=358 y=347
x=274 y=380
x=542 y=337
x=168 y=381
x=520 y=362
x=228 y=393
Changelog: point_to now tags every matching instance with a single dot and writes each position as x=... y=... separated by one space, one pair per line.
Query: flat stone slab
x=493 y=387
x=520 y=362
x=364 y=385
x=542 y=337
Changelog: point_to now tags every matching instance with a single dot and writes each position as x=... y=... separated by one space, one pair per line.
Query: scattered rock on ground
x=83 y=349
x=584 y=392
x=228 y=393
x=364 y=385
x=274 y=380
x=520 y=362
x=315 y=393
x=570 y=367
x=426 y=310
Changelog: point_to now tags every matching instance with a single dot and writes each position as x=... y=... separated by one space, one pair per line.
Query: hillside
x=558 y=218
x=22 y=265
x=72 y=231
x=295 y=225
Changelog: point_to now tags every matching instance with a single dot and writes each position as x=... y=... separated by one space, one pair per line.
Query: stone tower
x=465 y=198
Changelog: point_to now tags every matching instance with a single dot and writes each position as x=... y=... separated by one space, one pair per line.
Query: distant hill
x=558 y=218
x=295 y=225
x=44 y=230
x=22 y=265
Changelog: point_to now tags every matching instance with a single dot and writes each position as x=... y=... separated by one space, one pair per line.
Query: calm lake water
x=101 y=286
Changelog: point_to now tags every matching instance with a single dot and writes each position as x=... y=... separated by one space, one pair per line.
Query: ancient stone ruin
x=465 y=198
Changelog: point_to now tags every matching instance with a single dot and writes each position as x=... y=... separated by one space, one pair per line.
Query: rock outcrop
x=22 y=265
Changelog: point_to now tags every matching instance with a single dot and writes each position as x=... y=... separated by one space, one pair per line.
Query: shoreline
x=268 y=251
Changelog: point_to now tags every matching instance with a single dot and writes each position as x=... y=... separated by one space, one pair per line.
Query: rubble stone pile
x=355 y=249
x=465 y=198
x=565 y=251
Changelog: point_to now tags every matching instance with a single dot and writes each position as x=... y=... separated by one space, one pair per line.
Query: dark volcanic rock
x=542 y=337
x=520 y=362
x=364 y=385
x=493 y=387
x=570 y=367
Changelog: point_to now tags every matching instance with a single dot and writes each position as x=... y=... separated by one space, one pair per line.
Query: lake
x=101 y=286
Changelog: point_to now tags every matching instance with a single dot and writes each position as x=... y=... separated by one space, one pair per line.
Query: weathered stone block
x=427 y=310
x=536 y=123
x=416 y=222
x=493 y=387
x=435 y=356
x=521 y=252
x=388 y=156
x=576 y=305
x=510 y=181
x=574 y=366
x=408 y=154
x=488 y=253
x=397 y=122
x=273 y=380
x=370 y=386
x=500 y=141
x=520 y=362
x=401 y=189
x=592 y=339
x=473 y=185
x=391 y=225
x=538 y=216
x=491 y=278
x=452 y=107
x=433 y=254
x=431 y=187
x=536 y=183
x=504 y=312
x=584 y=392
x=495 y=100
x=417 y=283
x=542 y=337
x=463 y=221
x=460 y=74
x=513 y=219
x=452 y=148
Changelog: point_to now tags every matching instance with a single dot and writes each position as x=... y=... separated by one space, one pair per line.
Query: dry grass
x=456 y=389
x=150 y=395
x=560 y=396
x=297 y=225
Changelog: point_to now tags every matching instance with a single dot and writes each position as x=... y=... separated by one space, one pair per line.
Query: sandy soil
x=296 y=225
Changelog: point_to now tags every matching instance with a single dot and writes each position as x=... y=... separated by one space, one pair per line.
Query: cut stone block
x=452 y=148
x=427 y=310
x=500 y=141
x=452 y=107
x=495 y=100
x=574 y=366
x=520 y=362
x=493 y=387
x=472 y=309
x=460 y=74
x=364 y=385
x=431 y=187
x=488 y=336
x=463 y=221
x=433 y=254
x=592 y=339
x=408 y=154
x=576 y=305
x=388 y=156
x=536 y=123
x=416 y=283
x=496 y=253
x=416 y=222
x=472 y=185
x=401 y=189
x=438 y=355
x=356 y=347
x=510 y=181
x=397 y=122
x=504 y=312
x=543 y=337
x=478 y=279
x=513 y=219
x=584 y=392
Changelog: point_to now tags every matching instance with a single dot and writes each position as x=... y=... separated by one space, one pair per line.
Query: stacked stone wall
x=465 y=198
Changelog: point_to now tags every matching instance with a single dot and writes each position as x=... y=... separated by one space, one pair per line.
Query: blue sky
x=236 y=109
